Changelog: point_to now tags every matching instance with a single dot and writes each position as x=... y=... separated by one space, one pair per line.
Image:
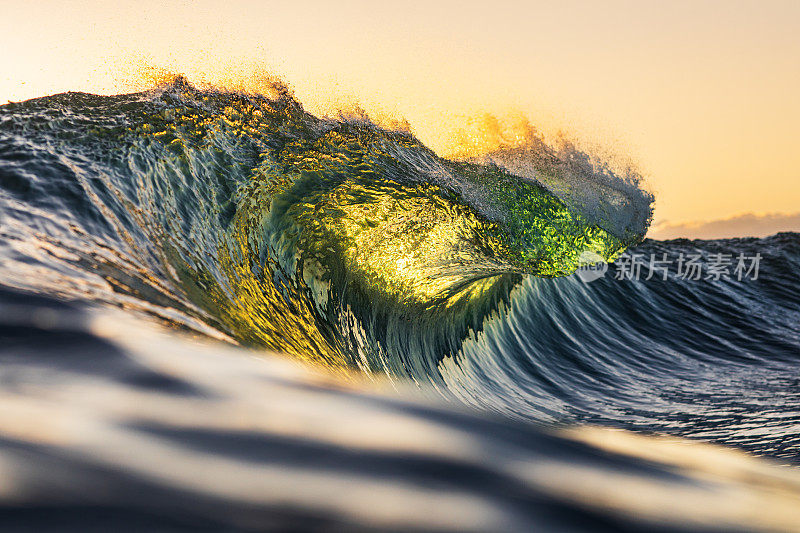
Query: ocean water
x=222 y=312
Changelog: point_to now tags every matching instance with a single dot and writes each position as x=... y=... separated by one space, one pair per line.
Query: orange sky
x=702 y=95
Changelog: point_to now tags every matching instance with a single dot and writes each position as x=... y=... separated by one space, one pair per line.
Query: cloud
x=746 y=225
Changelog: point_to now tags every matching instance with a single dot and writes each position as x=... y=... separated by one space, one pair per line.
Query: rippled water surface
x=243 y=219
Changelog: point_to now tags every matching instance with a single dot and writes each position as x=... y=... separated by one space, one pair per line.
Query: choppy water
x=245 y=219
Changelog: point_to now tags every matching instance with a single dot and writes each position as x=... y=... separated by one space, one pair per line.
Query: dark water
x=715 y=360
x=244 y=219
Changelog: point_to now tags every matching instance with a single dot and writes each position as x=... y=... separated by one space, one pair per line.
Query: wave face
x=341 y=243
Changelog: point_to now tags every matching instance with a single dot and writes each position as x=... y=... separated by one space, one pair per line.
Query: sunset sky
x=701 y=95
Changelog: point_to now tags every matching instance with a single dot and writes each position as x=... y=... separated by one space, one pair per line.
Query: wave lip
x=608 y=193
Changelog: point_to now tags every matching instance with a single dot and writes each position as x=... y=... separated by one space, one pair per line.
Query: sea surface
x=220 y=312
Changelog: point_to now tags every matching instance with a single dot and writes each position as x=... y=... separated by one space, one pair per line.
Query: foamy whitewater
x=221 y=312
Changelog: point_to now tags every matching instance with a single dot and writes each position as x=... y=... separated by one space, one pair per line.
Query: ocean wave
x=244 y=218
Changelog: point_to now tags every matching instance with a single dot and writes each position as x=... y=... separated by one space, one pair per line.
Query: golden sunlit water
x=703 y=96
